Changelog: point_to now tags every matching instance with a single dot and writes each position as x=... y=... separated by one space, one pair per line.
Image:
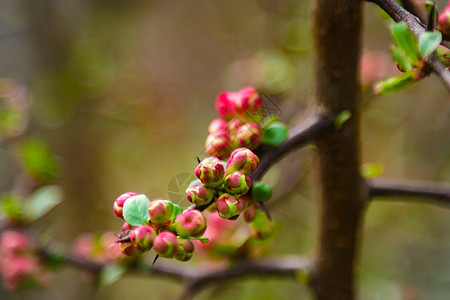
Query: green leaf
x=42 y=201
x=12 y=206
x=402 y=60
x=302 y=277
x=394 y=84
x=370 y=170
x=111 y=273
x=261 y=192
x=274 y=134
x=38 y=160
x=341 y=118
x=135 y=210
x=176 y=210
x=428 y=42
x=406 y=40
x=203 y=240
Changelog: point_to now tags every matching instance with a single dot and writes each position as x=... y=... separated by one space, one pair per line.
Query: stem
x=342 y=193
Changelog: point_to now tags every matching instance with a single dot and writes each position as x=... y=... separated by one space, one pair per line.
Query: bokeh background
x=123 y=91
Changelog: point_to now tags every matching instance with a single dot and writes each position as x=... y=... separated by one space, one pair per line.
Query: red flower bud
x=210 y=171
x=248 y=101
x=217 y=125
x=218 y=144
x=199 y=195
x=130 y=249
x=12 y=240
x=143 y=236
x=120 y=201
x=444 y=22
x=237 y=183
x=225 y=104
x=160 y=211
x=166 y=244
x=229 y=206
x=190 y=224
x=242 y=160
x=185 y=249
x=249 y=136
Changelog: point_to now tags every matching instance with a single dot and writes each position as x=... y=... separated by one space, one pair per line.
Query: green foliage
x=261 y=192
x=12 y=207
x=135 y=210
x=370 y=170
x=406 y=40
x=394 y=84
x=42 y=201
x=428 y=42
x=38 y=160
x=341 y=118
x=402 y=59
x=203 y=240
x=274 y=134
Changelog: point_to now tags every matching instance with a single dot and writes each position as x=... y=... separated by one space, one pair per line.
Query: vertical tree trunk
x=342 y=192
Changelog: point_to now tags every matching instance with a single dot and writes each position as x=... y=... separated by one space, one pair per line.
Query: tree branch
x=311 y=128
x=419 y=190
x=399 y=14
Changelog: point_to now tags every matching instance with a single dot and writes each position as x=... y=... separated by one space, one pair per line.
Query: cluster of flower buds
x=20 y=267
x=224 y=183
x=158 y=224
x=238 y=125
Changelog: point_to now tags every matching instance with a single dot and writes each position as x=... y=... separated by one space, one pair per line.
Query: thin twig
x=416 y=190
x=399 y=14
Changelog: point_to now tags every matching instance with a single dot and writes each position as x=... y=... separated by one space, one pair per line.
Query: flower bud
x=190 y=223
x=218 y=144
x=185 y=249
x=248 y=101
x=225 y=104
x=242 y=160
x=126 y=226
x=228 y=206
x=261 y=226
x=237 y=183
x=444 y=22
x=217 y=125
x=249 y=136
x=160 y=211
x=120 y=201
x=143 y=236
x=12 y=240
x=199 y=195
x=250 y=213
x=210 y=171
x=166 y=244
x=130 y=249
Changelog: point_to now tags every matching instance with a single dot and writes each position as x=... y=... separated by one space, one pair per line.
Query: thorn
x=156 y=258
x=198 y=159
x=263 y=206
x=430 y=25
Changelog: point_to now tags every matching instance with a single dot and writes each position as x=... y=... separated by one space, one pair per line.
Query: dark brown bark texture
x=342 y=193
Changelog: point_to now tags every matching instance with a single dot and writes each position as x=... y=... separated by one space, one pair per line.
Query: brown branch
x=399 y=14
x=414 y=190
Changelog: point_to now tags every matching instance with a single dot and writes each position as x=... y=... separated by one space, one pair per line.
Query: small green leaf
x=261 y=192
x=176 y=210
x=203 y=240
x=274 y=134
x=111 y=273
x=42 y=201
x=402 y=60
x=406 y=40
x=302 y=277
x=428 y=42
x=38 y=160
x=341 y=118
x=370 y=170
x=12 y=206
x=135 y=210
x=394 y=84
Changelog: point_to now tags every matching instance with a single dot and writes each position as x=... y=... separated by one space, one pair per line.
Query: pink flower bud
x=249 y=214
x=217 y=125
x=242 y=160
x=130 y=249
x=248 y=101
x=143 y=236
x=185 y=249
x=218 y=144
x=210 y=171
x=166 y=244
x=237 y=183
x=225 y=104
x=199 y=195
x=229 y=206
x=190 y=223
x=120 y=201
x=126 y=226
x=444 y=22
x=160 y=211
x=249 y=136
x=12 y=240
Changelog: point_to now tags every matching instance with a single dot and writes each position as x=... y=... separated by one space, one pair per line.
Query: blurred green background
x=123 y=92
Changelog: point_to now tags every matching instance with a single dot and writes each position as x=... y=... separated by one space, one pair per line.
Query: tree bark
x=342 y=193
